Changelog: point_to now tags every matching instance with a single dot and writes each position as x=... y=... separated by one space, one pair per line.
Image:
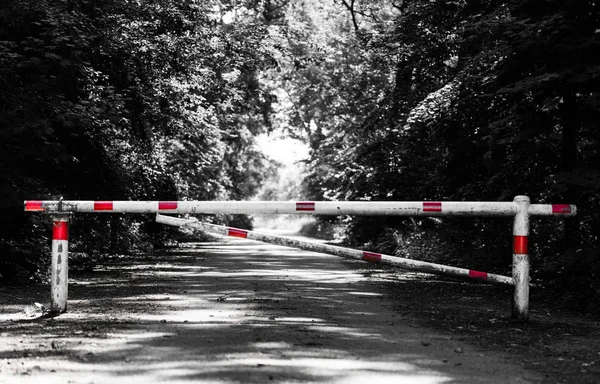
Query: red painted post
x=520 y=267
x=60 y=264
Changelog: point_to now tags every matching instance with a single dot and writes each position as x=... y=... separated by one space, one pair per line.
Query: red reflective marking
x=305 y=206
x=60 y=230
x=234 y=232
x=478 y=275
x=372 y=257
x=103 y=205
x=33 y=205
x=162 y=205
x=561 y=208
x=520 y=245
x=432 y=206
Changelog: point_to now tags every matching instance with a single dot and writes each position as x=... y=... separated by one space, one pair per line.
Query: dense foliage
x=460 y=100
x=123 y=100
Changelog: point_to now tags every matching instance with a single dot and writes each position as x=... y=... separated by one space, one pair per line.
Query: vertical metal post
x=60 y=263
x=520 y=265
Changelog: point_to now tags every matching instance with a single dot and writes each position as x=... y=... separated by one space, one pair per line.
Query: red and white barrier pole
x=60 y=264
x=383 y=208
x=520 y=208
x=339 y=251
x=520 y=264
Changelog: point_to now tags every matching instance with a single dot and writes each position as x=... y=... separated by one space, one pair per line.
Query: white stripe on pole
x=339 y=251
x=386 y=208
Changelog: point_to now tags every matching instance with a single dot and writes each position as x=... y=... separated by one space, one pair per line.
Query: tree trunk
x=114 y=234
x=570 y=131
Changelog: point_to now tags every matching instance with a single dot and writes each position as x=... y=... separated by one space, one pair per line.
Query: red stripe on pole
x=103 y=205
x=432 y=206
x=305 y=206
x=520 y=245
x=478 y=275
x=60 y=230
x=33 y=205
x=561 y=208
x=164 y=205
x=234 y=232
x=372 y=257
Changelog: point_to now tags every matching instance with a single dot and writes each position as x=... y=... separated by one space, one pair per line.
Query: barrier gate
x=520 y=208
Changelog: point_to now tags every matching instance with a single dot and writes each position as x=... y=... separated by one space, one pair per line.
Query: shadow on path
x=233 y=311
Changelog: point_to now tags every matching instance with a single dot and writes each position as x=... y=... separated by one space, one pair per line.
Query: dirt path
x=239 y=312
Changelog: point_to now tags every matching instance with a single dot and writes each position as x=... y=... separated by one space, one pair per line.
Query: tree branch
x=402 y=4
x=350 y=7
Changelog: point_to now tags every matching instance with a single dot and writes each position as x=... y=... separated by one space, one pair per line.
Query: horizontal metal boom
x=385 y=208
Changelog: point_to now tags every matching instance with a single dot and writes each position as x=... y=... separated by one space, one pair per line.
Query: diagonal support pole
x=373 y=257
